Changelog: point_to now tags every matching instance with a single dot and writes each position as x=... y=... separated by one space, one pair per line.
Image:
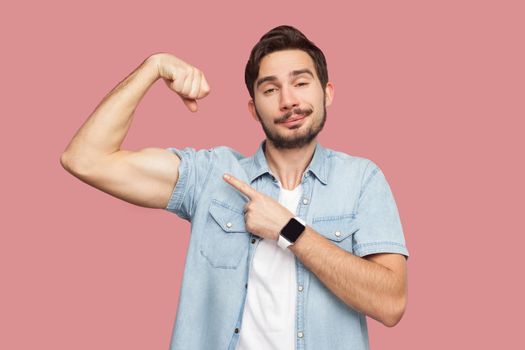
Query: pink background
x=433 y=93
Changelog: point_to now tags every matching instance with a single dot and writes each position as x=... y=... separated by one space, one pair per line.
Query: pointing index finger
x=241 y=186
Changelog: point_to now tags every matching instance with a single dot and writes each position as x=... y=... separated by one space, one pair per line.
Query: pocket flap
x=228 y=218
x=336 y=228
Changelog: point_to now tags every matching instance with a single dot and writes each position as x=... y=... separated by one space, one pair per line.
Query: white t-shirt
x=268 y=321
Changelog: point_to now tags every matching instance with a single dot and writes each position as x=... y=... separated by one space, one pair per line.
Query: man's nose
x=288 y=98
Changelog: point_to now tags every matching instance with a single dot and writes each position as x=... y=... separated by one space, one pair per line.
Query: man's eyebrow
x=292 y=74
x=265 y=79
x=301 y=71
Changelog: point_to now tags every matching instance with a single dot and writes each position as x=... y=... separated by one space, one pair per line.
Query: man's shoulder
x=228 y=152
x=223 y=156
x=226 y=157
x=351 y=161
x=357 y=169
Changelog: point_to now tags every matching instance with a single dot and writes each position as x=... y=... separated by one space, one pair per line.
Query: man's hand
x=263 y=216
x=186 y=80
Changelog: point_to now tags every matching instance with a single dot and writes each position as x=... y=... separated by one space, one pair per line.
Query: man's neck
x=288 y=165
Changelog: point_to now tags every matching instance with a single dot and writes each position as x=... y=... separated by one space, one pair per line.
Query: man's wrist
x=152 y=64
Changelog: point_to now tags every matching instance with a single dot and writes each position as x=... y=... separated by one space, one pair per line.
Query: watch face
x=292 y=230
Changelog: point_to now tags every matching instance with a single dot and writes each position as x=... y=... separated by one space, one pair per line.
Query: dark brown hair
x=283 y=38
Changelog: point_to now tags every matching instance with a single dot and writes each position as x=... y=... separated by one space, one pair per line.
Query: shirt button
x=236 y=330
x=229 y=224
x=300 y=288
x=300 y=334
x=337 y=233
x=305 y=201
x=253 y=240
x=246 y=286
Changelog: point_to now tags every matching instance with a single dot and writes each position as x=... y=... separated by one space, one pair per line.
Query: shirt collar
x=318 y=165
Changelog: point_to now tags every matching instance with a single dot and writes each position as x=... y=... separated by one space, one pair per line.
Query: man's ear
x=251 y=109
x=329 y=93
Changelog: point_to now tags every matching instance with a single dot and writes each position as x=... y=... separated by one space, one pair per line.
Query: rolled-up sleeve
x=380 y=229
x=194 y=169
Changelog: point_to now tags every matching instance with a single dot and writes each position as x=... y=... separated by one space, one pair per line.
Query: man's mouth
x=294 y=115
x=294 y=118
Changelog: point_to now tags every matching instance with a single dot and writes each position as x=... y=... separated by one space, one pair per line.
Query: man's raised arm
x=146 y=177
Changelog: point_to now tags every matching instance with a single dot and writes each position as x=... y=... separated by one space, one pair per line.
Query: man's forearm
x=105 y=129
x=363 y=285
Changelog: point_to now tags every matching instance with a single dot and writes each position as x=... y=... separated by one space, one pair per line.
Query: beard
x=295 y=141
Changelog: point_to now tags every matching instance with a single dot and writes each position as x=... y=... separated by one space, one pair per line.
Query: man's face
x=290 y=102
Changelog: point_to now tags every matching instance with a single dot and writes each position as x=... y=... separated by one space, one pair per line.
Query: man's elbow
x=75 y=165
x=397 y=312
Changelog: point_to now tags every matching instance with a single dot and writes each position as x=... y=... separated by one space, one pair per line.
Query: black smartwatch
x=291 y=232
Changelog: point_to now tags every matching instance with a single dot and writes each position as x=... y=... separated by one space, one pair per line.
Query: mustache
x=298 y=111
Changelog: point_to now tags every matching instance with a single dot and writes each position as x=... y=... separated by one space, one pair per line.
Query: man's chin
x=290 y=142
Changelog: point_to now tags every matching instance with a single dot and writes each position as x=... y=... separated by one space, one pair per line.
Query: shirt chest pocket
x=226 y=240
x=338 y=229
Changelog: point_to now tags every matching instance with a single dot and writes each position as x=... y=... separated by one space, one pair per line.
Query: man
x=291 y=248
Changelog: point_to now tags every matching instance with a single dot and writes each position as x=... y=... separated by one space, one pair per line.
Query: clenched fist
x=183 y=78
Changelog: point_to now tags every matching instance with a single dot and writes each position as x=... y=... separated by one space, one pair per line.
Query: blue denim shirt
x=346 y=199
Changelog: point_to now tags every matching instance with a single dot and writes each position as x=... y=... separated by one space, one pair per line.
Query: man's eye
x=301 y=84
x=269 y=91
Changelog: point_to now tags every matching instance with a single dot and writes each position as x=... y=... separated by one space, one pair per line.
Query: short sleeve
x=380 y=229
x=194 y=169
